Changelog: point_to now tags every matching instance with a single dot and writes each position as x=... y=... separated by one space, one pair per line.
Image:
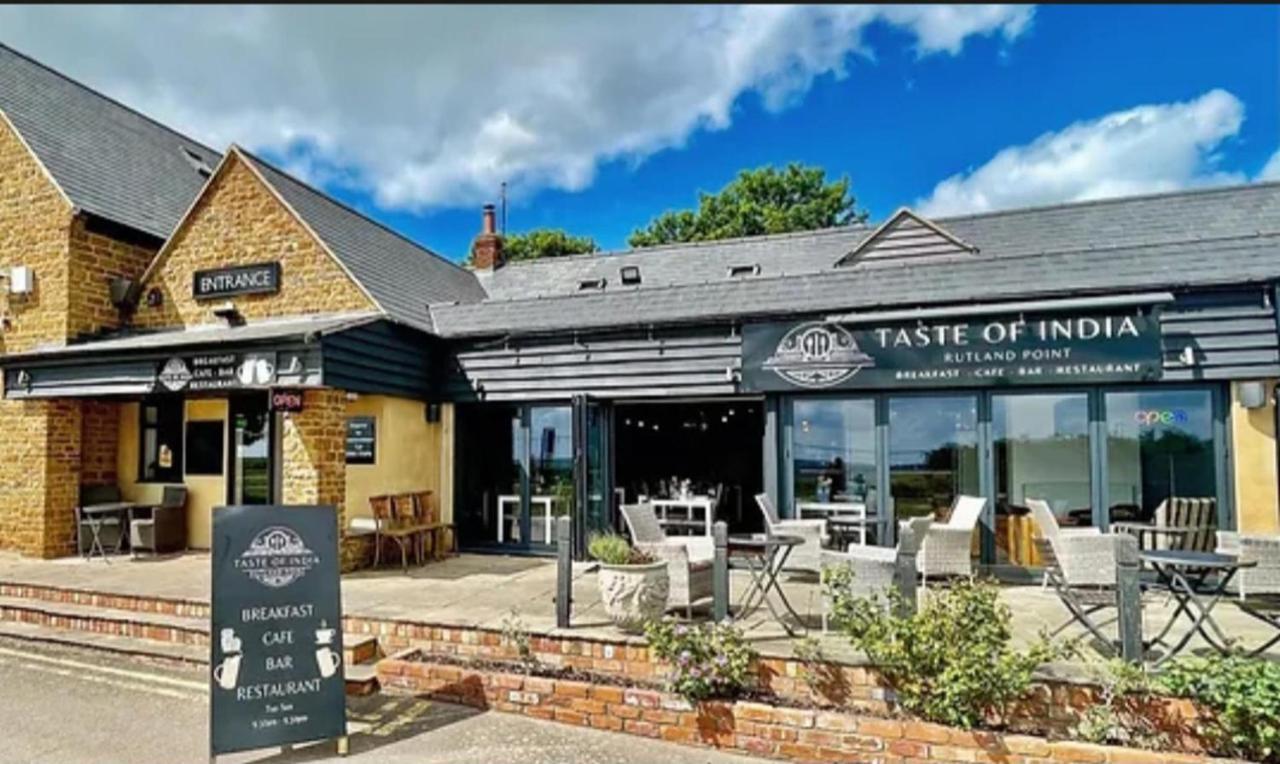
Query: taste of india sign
x=1007 y=350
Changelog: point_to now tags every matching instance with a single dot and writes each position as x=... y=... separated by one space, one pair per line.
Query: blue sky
x=602 y=117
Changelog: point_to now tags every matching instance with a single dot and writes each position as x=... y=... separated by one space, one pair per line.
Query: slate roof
x=1194 y=238
x=401 y=276
x=108 y=159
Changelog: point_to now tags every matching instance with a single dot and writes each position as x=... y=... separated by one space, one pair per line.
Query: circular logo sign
x=817 y=355
x=276 y=557
x=174 y=374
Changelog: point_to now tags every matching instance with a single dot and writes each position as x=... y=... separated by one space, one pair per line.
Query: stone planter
x=633 y=595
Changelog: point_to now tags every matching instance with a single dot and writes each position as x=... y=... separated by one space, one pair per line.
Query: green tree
x=545 y=242
x=760 y=201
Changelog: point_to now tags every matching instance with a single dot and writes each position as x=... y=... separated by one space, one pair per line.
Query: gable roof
x=1225 y=235
x=106 y=158
x=906 y=236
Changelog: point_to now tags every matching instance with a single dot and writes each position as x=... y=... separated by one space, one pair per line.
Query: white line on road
x=73 y=668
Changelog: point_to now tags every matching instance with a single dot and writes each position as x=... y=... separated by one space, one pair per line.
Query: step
x=128 y=602
x=105 y=621
x=162 y=652
x=359 y=648
x=361 y=679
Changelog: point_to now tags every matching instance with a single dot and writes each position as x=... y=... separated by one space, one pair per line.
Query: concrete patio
x=486 y=590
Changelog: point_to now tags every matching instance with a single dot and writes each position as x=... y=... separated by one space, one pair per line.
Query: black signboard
x=276 y=639
x=1002 y=350
x=361 y=440
x=262 y=278
x=218 y=371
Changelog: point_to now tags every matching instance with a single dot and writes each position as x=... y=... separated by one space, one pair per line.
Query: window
x=160 y=441
x=197 y=162
x=833 y=443
x=205 y=447
x=587 y=284
x=739 y=271
x=630 y=275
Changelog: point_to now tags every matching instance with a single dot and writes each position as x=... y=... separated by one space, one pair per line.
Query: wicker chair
x=166 y=529
x=1257 y=588
x=873 y=567
x=689 y=558
x=807 y=556
x=948 y=548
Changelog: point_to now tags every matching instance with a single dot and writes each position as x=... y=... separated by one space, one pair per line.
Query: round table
x=763 y=556
x=1197 y=581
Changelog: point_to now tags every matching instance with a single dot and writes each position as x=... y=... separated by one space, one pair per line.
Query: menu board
x=275 y=650
x=361 y=440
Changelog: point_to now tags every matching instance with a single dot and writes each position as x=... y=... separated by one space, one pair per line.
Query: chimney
x=486 y=250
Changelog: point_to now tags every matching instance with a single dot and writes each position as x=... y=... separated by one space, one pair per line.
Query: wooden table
x=705 y=503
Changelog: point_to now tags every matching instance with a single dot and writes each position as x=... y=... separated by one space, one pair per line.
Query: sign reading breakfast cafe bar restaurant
x=262 y=278
x=1002 y=350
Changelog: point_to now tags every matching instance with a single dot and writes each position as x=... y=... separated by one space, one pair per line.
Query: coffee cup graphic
x=230 y=642
x=325 y=636
x=328 y=662
x=228 y=672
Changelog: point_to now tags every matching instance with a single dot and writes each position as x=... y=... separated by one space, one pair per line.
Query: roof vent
x=630 y=275
x=739 y=271
x=586 y=284
x=197 y=162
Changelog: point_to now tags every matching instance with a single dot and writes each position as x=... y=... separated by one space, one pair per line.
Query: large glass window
x=1041 y=449
x=1159 y=446
x=550 y=469
x=833 y=448
x=933 y=453
x=160 y=430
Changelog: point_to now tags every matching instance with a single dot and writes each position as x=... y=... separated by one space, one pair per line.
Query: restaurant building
x=268 y=344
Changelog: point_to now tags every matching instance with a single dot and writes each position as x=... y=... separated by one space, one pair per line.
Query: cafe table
x=543 y=503
x=764 y=556
x=93 y=515
x=844 y=530
x=706 y=504
x=1197 y=581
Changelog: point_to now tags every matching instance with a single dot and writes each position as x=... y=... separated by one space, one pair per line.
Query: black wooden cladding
x=694 y=362
x=379 y=358
x=1232 y=334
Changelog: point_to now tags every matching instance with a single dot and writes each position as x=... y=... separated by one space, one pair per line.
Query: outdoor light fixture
x=227 y=312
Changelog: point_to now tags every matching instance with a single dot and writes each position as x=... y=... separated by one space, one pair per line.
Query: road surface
x=76 y=707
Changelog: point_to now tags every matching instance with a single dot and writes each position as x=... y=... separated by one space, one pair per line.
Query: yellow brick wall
x=100 y=436
x=238 y=221
x=95 y=259
x=39 y=476
x=35 y=221
x=313 y=452
x=1253 y=440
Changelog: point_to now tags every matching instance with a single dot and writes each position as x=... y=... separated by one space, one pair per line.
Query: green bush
x=612 y=549
x=950 y=662
x=707 y=661
x=1123 y=713
x=1240 y=698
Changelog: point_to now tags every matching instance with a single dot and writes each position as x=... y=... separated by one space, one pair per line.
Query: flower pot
x=633 y=595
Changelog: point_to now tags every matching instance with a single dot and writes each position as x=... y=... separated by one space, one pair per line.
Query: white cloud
x=1155 y=147
x=436 y=106
x=1271 y=170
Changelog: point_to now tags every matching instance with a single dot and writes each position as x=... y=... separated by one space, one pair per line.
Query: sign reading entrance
x=1008 y=350
x=262 y=278
x=276 y=644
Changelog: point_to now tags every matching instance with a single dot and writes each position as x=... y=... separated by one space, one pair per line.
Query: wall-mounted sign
x=262 y=278
x=276 y=639
x=286 y=400
x=361 y=440
x=1007 y=350
x=218 y=371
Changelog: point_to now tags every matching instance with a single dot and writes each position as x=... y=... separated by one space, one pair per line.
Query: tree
x=760 y=201
x=545 y=242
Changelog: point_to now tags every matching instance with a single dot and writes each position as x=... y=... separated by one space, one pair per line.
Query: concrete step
x=129 y=602
x=160 y=652
x=359 y=648
x=360 y=679
x=91 y=619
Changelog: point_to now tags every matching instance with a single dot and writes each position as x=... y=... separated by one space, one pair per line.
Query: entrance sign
x=262 y=278
x=1006 y=350
x=276 y=640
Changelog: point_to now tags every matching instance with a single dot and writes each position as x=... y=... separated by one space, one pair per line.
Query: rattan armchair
x=689 y=558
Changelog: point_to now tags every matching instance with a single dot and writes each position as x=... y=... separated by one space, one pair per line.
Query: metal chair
x=948 y=547
x=873 y=567
x=807 y=556
x=690 y=577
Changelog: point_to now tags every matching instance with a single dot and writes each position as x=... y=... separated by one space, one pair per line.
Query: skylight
x=630 y=275
x=197 y=161
x=586 y=284
x=739 y=271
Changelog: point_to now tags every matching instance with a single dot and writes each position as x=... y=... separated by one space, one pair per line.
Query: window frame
x=163 y=406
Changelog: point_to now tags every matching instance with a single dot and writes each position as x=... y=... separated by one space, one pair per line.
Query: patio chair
x=948 y=547
x=1257 y=588
x=689 y=558
x=388 y=527
x=807 y=556
x=166 y=529
x=873 y=567
x=1080 y=565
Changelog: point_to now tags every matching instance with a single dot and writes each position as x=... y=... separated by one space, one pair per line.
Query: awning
x=1098 y=302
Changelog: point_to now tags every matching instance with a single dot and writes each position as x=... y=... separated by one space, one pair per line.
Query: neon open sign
x=1150 y=417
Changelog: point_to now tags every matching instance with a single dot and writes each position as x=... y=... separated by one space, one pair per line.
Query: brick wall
x=39 y=475
x=238 y=221
x=313 y=465
x=96 y=259
x=100 y=441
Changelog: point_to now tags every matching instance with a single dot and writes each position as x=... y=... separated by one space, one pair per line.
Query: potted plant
x=633 y=584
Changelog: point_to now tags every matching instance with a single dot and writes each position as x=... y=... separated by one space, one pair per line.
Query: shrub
x=707 y=661
x=950 y=662
x=612 y=549
x=1240 y=700
x=1123 y=713
x=516 y=635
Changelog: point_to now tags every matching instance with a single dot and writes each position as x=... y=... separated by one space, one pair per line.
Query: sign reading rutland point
x=276 y=642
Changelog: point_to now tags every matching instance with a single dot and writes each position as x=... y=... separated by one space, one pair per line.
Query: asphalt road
x=73 y=707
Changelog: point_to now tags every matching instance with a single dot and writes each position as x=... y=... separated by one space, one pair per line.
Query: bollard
x=904 y=570
x=564 y=571
x=1129 y=597
x=720 y=572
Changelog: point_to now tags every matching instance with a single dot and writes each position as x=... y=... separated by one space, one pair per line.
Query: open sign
x=286 y=400
x=1151 y=417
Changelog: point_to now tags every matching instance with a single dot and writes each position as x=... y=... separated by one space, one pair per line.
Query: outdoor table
x=764 y=556
x=845 y=529
x=535 y=502
x=92 y=512
x=704 y=503
x=1196 y=581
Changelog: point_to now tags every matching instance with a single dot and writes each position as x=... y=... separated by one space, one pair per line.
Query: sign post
x=275 y=650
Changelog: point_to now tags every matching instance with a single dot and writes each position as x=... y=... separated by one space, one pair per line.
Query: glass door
x=593 y=470
x=551 y=476
x=252 y=452
x=933 y=453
